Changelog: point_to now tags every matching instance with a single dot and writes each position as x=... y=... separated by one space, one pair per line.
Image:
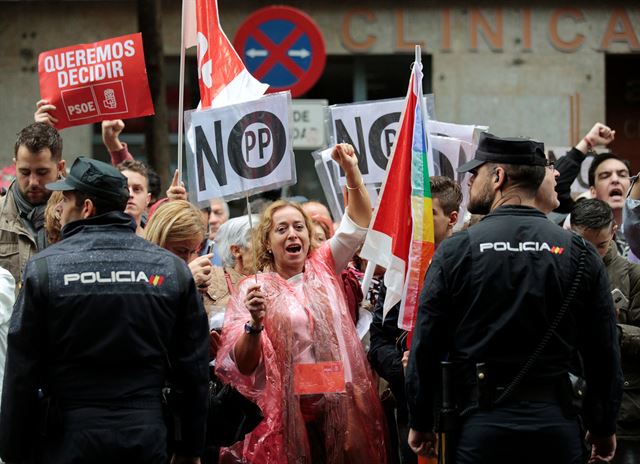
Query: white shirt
x=7 y=298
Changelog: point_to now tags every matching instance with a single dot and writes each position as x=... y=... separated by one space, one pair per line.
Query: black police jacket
x=387 y=344
x=490 y=295
x=100 y=316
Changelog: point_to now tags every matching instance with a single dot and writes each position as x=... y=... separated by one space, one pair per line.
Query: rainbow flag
x=400 y=236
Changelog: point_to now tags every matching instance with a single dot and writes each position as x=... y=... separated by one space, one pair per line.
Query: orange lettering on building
x=446 y=30
x=493 y=37
x=625 y=34
x=401 y=44
x=526 y=29
x=556 y=41
x=345 y=33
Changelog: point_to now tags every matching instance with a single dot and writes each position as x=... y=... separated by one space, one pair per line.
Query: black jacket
x=94 y=322
x=489 y=296
x=387 y=344
x=569 y=168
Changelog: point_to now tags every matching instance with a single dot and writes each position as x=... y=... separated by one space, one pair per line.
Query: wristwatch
x=251 y=330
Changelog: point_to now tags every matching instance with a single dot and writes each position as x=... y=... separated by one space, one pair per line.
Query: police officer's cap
x=94 y=177
x=506 y=151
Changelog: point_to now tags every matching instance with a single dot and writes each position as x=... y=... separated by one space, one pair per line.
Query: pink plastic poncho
x=350 y=424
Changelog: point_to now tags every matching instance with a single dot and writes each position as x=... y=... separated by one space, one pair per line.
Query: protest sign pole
x=255 y=261
x=181 y=94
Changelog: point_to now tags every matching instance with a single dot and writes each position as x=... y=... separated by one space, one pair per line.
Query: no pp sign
x=91 y=82
x=240 y=149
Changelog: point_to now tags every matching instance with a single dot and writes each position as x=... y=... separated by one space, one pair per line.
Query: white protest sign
x=327 y=174
x=451 y=153
x=446 y=154
x=308 y=123
x=465 y=132
x=240 y=149
x=371 y=128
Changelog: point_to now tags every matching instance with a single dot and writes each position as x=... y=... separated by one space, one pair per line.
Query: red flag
x=224 y=80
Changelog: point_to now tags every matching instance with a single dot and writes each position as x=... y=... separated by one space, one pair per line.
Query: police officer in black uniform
x=102 y=319
x=512 y=303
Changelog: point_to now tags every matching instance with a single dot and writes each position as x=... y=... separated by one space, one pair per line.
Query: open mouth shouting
x=616 y=194
x=294 y=249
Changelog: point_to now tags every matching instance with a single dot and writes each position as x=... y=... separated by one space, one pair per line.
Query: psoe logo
x=520 y=247
x=97 y=277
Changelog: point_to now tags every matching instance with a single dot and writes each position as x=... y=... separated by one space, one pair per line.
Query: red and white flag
x=224 y=79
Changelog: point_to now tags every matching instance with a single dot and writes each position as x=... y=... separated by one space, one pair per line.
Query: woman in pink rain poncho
x=290 y=345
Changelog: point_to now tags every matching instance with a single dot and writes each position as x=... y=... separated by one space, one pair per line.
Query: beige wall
x=27 y=29
x=540 y=74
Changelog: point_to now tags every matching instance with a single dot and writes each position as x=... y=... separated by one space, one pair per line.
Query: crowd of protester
x=282 y=289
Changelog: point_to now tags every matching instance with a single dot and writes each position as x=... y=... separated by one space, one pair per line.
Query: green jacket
x=17 y=243
x=625 y=276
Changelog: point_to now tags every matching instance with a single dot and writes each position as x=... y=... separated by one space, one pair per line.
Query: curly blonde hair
x=175 y=221
x=264 y=259
x=52 y=219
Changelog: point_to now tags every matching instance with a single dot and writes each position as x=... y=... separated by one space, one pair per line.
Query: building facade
x=538 y=71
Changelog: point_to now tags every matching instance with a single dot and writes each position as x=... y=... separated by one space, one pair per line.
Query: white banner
x=465 y=132
x=240 y=149
x=371 y=128
x=449 y=153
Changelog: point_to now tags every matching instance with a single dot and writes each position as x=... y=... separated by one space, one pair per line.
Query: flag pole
x=418 y=62
x=181 y=94
x=368 y=277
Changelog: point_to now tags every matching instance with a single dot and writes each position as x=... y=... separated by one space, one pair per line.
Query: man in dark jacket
x=101 y=321
x=593 y=220
x=569 y=165
x=496 y=304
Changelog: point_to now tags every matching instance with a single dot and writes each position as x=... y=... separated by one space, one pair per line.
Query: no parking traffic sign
x=283 y=47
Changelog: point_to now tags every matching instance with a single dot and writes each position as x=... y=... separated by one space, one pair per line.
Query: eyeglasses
x=550 y=165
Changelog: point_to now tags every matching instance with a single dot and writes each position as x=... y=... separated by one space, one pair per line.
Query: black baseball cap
x=95 y=178
x=506 y=151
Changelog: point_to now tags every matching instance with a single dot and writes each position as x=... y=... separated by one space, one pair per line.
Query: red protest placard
x=321 y=377
x=89 y=83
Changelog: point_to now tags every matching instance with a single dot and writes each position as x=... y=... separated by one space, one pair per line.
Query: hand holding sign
x=201 y=268
x=256 y=304
x=43 y=113
x=175 y=191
